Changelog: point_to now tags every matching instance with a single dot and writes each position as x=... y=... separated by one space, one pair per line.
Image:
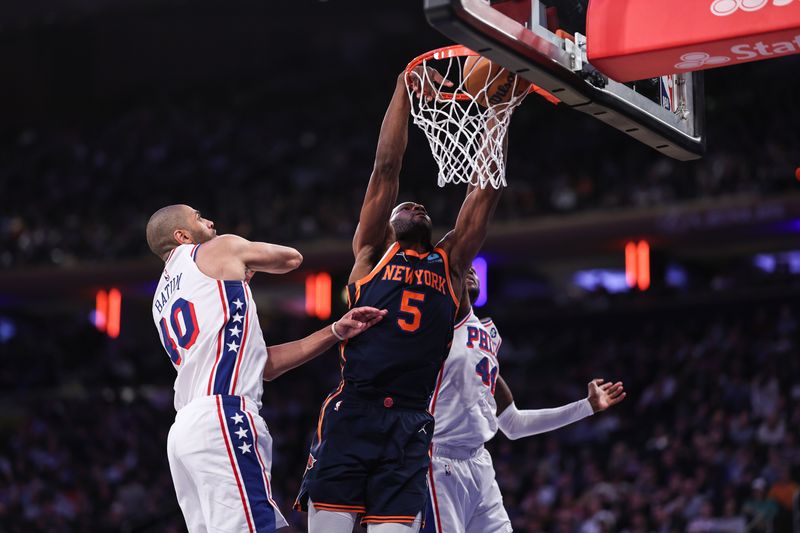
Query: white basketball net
x=466 y=138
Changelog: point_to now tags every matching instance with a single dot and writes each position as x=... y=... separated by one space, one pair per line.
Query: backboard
x=524 y=36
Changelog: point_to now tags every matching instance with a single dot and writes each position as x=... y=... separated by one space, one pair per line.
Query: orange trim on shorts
x=325 y=406
x=341 y=508
x=375 y=519
x=447 y=275
x=387 y=256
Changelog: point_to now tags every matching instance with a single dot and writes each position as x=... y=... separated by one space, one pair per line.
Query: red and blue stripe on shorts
x=241 y=441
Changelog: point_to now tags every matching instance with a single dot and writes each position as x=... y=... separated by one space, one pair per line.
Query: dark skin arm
x=502 y=395
x=374 y=232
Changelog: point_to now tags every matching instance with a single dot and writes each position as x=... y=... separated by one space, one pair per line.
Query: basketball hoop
x=465 y=124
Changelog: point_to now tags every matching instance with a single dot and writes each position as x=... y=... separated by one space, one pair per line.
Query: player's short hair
x=162 y=225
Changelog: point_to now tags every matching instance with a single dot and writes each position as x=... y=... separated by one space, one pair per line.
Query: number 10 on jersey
x=183 y=322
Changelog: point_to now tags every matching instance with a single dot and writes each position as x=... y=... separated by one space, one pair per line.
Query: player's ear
x=182 y=236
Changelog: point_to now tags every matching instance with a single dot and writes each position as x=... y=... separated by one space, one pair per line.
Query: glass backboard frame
x=560 y=66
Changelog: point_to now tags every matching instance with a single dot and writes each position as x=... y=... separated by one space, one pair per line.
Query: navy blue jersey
x=401 y=356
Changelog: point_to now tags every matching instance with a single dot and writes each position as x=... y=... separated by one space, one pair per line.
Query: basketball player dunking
x=464 y=496
x=369 y=454
x=219 y=449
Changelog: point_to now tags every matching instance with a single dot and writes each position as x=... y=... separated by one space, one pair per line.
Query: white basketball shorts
x=464 y=495
x=220 y=456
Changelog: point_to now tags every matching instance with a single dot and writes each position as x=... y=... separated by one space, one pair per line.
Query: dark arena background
x=265 y=115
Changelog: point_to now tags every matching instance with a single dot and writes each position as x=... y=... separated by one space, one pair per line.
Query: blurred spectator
x=761 y=510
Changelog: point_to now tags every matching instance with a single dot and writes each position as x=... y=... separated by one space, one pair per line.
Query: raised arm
x=284 y=357
x=464 y=242
x=374 y=232
x=233 y=257
x=516 y=424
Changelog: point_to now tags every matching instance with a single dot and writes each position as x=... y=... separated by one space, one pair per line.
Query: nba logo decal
x=338 y=404
x=434 y=258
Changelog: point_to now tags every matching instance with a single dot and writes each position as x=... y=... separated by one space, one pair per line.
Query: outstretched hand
x=603 y=395
x=426 y=82
x=358 y=320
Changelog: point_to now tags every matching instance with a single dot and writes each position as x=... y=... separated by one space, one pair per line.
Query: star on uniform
x=232 y=346
x=237 y=418
x=245 y=447
x=242 y=433
x=237 y=317
x=238 y=303
x=235 y=330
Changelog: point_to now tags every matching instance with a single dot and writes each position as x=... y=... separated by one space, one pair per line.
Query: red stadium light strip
x=323 y=291
x=318 y=295
x=643 y=253
x=630 y=264
x=311 y=295
x=114 y=313
x=637 y=265
x=100 y=310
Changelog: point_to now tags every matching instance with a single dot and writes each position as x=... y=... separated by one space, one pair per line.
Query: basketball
x=479 y=73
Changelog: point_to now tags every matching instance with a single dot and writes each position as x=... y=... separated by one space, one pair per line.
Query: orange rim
x=445 y=52
x=457 y=50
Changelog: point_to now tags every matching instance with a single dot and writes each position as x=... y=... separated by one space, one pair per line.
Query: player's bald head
x=162 y=226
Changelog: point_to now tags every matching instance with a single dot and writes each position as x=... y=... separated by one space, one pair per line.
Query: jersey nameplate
x=173 y=286
x=411 y=276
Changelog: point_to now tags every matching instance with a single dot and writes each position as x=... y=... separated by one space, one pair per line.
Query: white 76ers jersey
x=210 y=331
x=463 y=404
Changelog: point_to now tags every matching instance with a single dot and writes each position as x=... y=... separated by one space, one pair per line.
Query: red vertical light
x=114 y=313
x=631 y=274
x=311 y=295
x=643 y=253
x=323 y=296
x=100 y=310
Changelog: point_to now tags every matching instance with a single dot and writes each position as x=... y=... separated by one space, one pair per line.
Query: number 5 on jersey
x=410 y=304
x=183 y=322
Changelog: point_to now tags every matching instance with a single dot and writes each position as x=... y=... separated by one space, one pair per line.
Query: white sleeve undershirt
x=517 y=424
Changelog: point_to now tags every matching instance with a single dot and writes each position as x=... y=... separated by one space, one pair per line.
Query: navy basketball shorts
x=368 y=457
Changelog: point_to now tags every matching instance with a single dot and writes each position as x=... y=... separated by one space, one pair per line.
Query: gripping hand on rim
x=426 y=82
